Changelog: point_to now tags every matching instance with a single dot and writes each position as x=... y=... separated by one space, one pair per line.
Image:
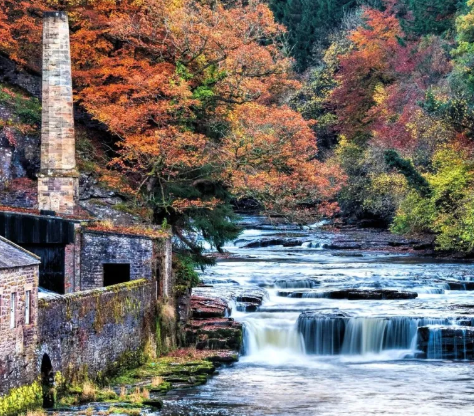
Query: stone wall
x=99 y=248
x=164 y=254
x=57 y=194
x=17 y=345
x=96 y=331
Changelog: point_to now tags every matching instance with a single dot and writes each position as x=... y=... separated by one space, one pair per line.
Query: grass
x=157 y=381
x=89 y=392
x=38 y=412
x=135 y=385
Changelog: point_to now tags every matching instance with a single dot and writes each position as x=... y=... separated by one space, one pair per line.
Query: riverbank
x=140 y=390
x=349 y=325
x=209 y=339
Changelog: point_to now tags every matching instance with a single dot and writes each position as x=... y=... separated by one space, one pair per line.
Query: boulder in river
x=269 y=242
x=248 y=302
x=214 y=334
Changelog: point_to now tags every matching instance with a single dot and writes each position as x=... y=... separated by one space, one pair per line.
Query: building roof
x=12 y=255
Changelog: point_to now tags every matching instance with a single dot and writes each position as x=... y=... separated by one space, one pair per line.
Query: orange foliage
x=270 y=152
x=187 y=86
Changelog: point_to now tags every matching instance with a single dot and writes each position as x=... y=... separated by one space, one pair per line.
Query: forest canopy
x=195 y=93
x=362 y=109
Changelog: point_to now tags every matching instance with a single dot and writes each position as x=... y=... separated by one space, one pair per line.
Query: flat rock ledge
x=383 y=294
x=446 y=342
x=350 y=294
x=210 y=329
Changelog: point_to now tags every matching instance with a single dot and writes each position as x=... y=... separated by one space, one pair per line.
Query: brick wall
x=92 y=332
x=100 y=247
x=18 y=345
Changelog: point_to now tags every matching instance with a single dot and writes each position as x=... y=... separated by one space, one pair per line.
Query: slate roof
x=12 y=255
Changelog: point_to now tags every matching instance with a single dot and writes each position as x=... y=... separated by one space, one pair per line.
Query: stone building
x=75 y=256
x=85 y=327
x=19 y=271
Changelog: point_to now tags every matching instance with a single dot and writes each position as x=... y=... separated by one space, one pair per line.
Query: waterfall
x=374 y=335
x=297 y=283
x=332 y=335
x=271 y=332
x=323 y=336
x=447 y=342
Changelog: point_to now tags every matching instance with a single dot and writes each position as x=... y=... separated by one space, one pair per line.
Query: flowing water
x=306 y=353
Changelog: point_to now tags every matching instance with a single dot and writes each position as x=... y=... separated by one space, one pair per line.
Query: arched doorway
x=47 y=380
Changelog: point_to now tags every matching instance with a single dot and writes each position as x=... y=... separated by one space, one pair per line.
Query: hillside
x=357 y=110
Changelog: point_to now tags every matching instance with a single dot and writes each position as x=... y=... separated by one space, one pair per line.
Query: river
x=308 y=354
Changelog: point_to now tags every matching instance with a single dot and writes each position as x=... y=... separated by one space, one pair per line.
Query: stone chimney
x=58 y=177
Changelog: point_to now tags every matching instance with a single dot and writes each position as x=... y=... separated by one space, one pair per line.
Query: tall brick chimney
x=58 y=178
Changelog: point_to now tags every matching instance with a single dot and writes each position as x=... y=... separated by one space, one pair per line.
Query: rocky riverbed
x=351 y=322
x=344 y=322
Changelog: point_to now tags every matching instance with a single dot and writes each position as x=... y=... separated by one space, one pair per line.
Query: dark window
x=116 y=273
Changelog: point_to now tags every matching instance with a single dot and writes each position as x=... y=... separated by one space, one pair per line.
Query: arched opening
x=47 y=380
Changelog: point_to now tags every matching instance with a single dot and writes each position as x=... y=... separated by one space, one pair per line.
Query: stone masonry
x=58 y=178
x=94 y=332
x=18 y=337
x=99 y=248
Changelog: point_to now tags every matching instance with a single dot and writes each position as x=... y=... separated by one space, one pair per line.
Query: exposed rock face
x=209 y=329
x=102 y=203
x=214 y=334
x=19 y=163
x=245 y=299
x=12 y=74
x=205 y=308
x=446 y=342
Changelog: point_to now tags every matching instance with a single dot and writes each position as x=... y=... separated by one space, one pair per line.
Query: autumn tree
x=192 y=91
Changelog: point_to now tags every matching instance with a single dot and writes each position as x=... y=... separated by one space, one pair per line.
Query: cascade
x=297 y=283
x=332 y=334
x=268 y=331
x=447 y=342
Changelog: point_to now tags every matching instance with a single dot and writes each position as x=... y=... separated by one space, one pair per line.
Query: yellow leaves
x=380 y=94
